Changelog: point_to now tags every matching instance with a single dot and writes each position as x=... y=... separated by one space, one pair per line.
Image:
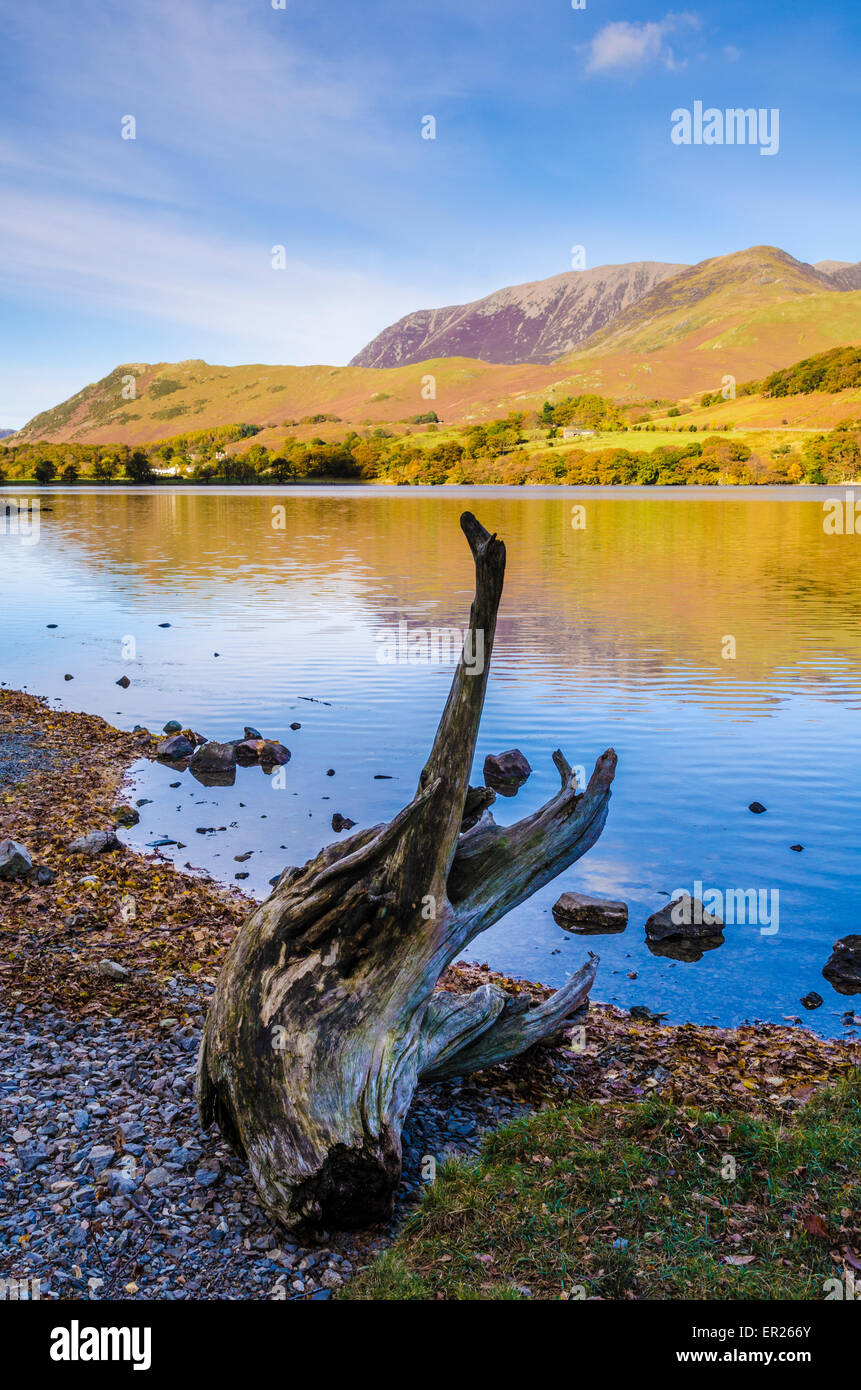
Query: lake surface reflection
x=712 y=639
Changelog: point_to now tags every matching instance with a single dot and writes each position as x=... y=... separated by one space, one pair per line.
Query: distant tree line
x=512 y=450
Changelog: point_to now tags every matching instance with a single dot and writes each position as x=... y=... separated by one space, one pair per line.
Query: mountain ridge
x=538 y=321
x=747 y=275
x=743 y=315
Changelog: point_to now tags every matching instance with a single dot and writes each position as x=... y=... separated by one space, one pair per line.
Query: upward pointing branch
x=427 y=848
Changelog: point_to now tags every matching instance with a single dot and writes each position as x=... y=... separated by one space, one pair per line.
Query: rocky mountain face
x=537 y=322
x=846 y=275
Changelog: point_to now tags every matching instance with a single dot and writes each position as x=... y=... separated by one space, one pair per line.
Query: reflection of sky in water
x=608 y=636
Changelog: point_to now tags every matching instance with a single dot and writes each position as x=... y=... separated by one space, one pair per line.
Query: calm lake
x=711 y=637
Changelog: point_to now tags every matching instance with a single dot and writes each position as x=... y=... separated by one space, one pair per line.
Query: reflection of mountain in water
x=608 y=635
x=647 y=594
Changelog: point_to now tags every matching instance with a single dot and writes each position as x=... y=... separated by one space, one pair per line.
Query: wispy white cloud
x=223 y=96
x=241 y=134
x=148 y=263
x=624 y=45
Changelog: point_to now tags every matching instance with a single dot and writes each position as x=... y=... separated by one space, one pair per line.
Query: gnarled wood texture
x=325 y=1016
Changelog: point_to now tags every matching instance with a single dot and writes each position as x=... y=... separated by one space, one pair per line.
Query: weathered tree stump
x=325 y=1018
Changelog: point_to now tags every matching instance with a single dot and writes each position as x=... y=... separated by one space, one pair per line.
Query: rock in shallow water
x=248 y=750
x=685 y=918
x=683 y=930
x=175 y=749
x=274 y=753
x=506 y=772
x=213 y=757
x=269 y=752
x=843 y=967
x=578 y=913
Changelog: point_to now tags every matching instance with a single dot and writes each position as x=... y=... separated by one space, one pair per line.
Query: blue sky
x=301 y=127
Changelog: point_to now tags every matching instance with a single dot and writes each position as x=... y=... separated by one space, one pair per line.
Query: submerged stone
x=578 y=913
